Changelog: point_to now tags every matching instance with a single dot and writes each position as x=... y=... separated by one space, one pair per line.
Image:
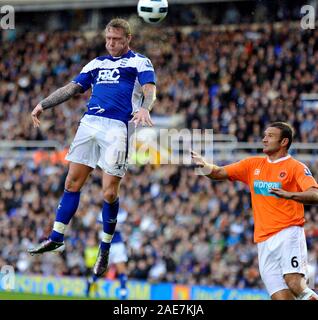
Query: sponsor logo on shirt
x=108 y=76
x=263 y=187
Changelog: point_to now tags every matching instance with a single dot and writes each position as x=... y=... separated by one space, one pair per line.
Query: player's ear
x=129 y=38
x=284 y=142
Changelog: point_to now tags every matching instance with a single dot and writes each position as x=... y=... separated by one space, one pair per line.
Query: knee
x=72 y=184
x=294 y=284
x=110 y=195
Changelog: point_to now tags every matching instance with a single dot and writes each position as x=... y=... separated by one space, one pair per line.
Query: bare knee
x=110 y=194
x=73 y=184
x=110 y=188
x=76 y=176
x=295 y=282
x=284 y=294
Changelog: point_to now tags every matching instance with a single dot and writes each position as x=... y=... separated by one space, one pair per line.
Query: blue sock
x=109 y=213
x=123 y=290
x=64 y=213
x=123 y=279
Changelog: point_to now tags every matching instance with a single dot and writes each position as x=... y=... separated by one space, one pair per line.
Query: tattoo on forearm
x=149 y=97
x=61 y=95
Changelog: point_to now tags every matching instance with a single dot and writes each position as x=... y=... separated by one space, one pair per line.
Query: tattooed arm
x=143 y=116
x=61 y=95
x=57 y=97
x=149 y=91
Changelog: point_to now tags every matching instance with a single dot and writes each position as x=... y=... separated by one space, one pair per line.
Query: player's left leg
x=294 y=261
x=284 y=294
x=298 y=286
x=112 y=141
x=109 y=212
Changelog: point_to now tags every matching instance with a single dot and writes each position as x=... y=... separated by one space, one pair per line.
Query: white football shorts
x=283 y=253
x=117 y=253
x=103 y=142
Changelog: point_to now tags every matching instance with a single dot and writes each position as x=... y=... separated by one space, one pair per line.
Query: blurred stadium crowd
x=181 y=227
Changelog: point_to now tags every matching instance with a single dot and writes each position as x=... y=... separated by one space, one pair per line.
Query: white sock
x=59 y=227
x=308 y=294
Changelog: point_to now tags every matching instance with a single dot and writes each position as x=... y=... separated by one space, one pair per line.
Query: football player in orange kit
x=280 y=186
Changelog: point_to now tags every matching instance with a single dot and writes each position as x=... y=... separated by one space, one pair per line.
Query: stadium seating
x=184 y=229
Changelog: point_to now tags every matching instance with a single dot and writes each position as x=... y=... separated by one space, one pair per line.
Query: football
x=152 y=11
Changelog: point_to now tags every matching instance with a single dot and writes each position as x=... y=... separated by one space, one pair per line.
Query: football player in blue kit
x=123 y=86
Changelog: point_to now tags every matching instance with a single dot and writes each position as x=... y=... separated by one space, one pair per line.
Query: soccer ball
x=152 y=11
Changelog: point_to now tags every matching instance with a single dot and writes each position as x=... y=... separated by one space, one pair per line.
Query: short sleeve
x=304 y=177
x=85 y=78
x=146 y=72
x=239 y=171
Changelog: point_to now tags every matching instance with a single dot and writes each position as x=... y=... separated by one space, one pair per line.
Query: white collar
x=278 y=160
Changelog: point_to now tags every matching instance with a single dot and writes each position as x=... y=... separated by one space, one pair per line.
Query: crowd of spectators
x=232 y=81
x=181 y=227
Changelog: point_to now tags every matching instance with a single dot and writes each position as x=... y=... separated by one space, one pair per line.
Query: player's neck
x=277 y=155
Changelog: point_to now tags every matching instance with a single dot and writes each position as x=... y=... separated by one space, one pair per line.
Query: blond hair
x=121 y=24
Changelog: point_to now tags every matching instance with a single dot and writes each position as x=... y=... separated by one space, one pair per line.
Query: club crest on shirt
x=282 y=175
x=257 y=172
x=149 y=64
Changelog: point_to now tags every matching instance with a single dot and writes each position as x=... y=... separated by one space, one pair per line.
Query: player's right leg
x=66 y=209
x=270 y=269
x=83 y=156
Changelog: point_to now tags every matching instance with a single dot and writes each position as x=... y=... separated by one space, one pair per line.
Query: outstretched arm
x=57 y=97
x=212 y=171
x=143 y=116
x=309 y=196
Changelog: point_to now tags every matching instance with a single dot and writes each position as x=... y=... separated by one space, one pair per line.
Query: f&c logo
x=108 y=76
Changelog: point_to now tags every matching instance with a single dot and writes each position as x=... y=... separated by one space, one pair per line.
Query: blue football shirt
x=116 y=84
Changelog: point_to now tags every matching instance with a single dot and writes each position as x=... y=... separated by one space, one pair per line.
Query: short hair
x=121 y=24
x=287 y=131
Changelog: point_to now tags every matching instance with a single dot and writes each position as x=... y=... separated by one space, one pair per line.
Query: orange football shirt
x=271 y=213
